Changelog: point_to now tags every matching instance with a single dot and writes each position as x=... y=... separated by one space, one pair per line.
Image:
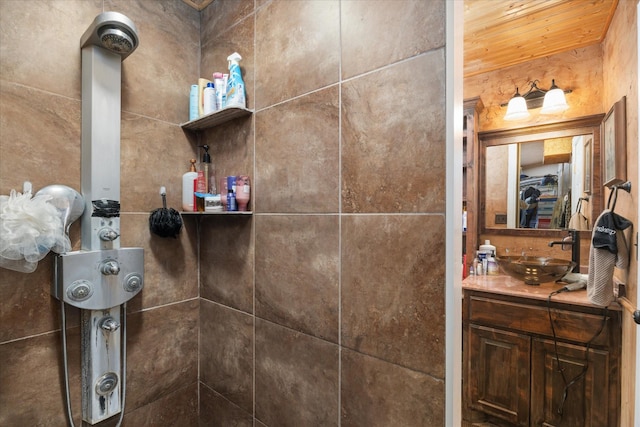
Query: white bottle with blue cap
x=209 y=101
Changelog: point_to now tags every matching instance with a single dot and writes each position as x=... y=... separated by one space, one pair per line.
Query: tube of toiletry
x=235 y=86
x=193 y=103
x=188 y=184
x=209 y=101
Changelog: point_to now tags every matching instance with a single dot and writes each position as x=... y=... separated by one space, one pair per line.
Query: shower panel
x=101 y=277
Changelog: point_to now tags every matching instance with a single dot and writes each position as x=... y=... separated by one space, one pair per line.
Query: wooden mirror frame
x=588 y=125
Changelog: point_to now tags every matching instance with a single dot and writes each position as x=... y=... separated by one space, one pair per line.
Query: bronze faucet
x=574 y=241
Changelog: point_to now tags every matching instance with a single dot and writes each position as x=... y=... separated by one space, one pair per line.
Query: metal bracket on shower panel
x=100 y=364
x=98 y=280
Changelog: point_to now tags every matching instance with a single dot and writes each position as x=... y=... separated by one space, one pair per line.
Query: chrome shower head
x=112 y=31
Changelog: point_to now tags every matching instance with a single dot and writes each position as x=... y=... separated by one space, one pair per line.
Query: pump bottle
x=208 y=171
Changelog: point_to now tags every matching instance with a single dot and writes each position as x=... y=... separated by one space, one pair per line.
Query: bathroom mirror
x=532 y=179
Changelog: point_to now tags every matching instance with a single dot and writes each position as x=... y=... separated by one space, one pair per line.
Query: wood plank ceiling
x=501 y=33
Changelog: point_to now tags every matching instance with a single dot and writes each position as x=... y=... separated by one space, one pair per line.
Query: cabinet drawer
x=569 y=325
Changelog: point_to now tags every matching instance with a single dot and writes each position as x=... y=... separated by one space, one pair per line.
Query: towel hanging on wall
x=608 y=249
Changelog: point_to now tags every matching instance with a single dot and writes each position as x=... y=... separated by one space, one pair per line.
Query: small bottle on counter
x=474 y=265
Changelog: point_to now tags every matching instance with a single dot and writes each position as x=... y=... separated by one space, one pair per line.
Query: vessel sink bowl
x=534 y=270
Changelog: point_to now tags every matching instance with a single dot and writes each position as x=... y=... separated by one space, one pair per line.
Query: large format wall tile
x=297 y=155
x=216 y=411
x=27 y=307
x=393 y=147
x=220 y=16
x=227 y=261
x=393 y=275
x=41 y=44
x=297 y=50
x=31 y=379
x=226 y=353
x=170 y=265
x=157 y=76
x=153 y=154
x=177 y=409
x=162 y=352
x=297 y=273
x=372 y=38
x=40 y=139
x=376 y=393
x=296 y=378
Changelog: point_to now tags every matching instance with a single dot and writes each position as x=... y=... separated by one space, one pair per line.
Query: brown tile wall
x=40 y=126
x=326 y=307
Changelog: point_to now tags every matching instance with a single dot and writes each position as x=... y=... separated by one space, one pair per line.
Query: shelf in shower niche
x=216 y=213
x=216 y=118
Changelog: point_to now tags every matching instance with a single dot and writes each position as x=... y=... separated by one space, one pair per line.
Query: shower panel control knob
x=108 y=234
x=133 y=282
x=109 y=324
x=110 y=267
x=80 y=290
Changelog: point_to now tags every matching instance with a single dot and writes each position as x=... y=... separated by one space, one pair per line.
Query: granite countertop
x=506 y=285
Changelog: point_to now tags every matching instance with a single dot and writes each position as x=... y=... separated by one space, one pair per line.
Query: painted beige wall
x=579 y=70
x=620 y=74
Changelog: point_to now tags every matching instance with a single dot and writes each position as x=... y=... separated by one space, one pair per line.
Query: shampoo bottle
x=188 y=186
x=193 y=103
x=221 y=90
x=209 y=101
x=235 y=86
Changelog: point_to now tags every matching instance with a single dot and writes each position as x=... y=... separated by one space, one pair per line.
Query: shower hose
x=123 y=372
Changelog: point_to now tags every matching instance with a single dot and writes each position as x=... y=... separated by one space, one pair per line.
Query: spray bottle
x=235 y=86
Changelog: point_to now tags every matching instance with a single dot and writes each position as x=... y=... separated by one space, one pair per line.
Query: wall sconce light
x=552 y=101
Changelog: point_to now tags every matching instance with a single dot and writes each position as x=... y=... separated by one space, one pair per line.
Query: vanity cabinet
x=510 y=371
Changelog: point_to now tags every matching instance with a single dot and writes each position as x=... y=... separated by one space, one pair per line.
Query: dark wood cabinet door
x=499 y=373
x=588 y=400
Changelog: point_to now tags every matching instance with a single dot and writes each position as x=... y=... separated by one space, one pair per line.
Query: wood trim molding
x=198 y=4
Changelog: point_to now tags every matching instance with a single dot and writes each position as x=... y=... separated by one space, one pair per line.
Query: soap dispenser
x=209 y=172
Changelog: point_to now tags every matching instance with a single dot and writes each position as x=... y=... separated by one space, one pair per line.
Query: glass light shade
x=554 y=101
x=517 y=108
